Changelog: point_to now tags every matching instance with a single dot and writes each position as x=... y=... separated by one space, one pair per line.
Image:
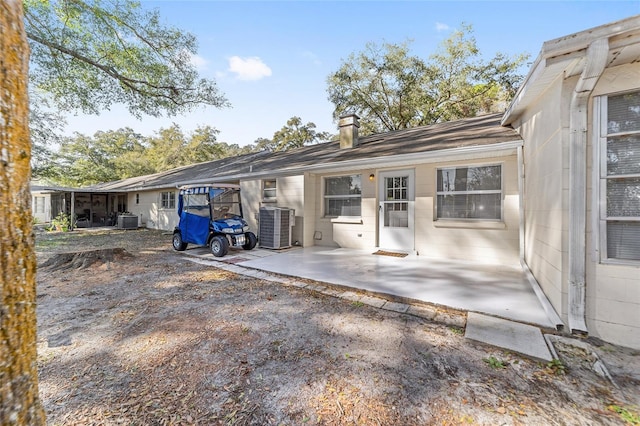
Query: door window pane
x=396 y=215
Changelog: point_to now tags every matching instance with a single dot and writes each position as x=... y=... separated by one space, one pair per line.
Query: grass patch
x=630 y=416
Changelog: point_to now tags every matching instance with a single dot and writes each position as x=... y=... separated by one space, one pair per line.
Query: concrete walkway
x=478 y=289
x=490 y=289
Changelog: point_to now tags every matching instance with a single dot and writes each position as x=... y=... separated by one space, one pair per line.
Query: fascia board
x=474 y=152
x=560 y=50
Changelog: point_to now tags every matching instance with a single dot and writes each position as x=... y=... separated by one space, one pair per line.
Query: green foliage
x=87 y=55
x=292 y=135
x=62 y=222
x=495 y=363
x=90 y=54
x=630 y=416
x=390 y=89
x=119 y=154
x=557 y=367
x=457 y=330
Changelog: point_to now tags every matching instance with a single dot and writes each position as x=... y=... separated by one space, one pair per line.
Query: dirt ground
x=143 y=336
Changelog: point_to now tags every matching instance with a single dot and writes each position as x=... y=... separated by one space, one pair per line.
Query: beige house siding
x=481 y=241
x=289 y=193
x=542 y=127
x=311 y=200
x=348 y=233
x=41 y=216
x=148 y=210
x=613 y=290
x=251 y=198
x=492 y=242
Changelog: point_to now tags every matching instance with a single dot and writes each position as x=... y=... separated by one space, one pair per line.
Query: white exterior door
x=396 y=209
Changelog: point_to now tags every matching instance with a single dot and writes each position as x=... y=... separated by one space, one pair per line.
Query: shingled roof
x=483 y=131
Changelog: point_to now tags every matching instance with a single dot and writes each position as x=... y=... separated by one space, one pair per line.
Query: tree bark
x=19 y=399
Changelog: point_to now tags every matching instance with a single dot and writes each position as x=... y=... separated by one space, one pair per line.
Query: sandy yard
x=140 y=335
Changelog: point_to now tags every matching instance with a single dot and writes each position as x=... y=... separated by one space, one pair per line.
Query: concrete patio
x=495 y=290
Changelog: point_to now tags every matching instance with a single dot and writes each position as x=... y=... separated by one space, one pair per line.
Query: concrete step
x=517 y=337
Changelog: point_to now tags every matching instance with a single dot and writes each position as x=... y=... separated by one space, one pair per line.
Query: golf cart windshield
x=225 y=203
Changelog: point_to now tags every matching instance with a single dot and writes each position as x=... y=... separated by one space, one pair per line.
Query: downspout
x=596 y=61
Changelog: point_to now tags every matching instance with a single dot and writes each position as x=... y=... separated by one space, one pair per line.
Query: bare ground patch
x=155 y=339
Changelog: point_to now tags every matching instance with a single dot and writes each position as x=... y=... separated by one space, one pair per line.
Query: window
x=168 y=200
x=269 y=190
x=38 y=204
x=342 y=195
x=469 y=193
x=620 y=176
x=137 y=198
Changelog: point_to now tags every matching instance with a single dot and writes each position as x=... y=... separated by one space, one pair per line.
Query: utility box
x=127 y=221
x=274 y=228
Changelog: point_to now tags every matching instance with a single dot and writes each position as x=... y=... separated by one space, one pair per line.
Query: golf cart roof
x=203 y=189
x=212 y=185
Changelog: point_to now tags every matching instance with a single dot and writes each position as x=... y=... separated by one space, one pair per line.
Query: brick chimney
x=349 y=126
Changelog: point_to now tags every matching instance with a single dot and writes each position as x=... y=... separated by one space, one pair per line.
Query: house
x=448 y=190
x=553 y=184
x=89 y=207
x=578 y=113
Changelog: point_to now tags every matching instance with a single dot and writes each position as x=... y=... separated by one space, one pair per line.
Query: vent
x=274 y=229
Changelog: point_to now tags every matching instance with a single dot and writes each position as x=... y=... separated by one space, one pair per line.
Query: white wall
x=149 y=213
x=489 y=242
x=290 y=193
x=332 y=232
x=482 y=241
x=45 y=216
x=613 y=290
x=544 y=128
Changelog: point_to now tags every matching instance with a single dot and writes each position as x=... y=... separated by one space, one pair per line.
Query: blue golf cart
x=212 y=215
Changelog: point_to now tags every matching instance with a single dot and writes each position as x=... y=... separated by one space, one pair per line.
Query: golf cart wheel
x=219 y=246
x=178 y=244
x=252 y=240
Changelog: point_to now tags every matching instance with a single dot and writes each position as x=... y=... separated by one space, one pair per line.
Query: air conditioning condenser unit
x=274 y=228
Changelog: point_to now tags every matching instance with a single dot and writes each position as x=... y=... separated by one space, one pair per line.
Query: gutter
x=382 y=162
x=596 y=61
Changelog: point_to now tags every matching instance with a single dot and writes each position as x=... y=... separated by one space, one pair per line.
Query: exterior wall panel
x=542 y=128
x=613 y=290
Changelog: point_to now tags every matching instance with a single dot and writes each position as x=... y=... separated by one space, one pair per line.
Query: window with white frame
x=269 y=190
x=619 y=149
x=343 y=195
x=469 y=193
x=168 y=200
x=38 y=204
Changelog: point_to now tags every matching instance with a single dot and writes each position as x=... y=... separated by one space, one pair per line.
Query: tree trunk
x=19 y=400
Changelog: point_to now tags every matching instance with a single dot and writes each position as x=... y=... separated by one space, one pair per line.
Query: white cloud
x=441 y=27
x=312 y=57
x=248 y=68
x=199 y=62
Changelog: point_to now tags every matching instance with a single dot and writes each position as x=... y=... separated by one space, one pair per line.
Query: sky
x=271 y=59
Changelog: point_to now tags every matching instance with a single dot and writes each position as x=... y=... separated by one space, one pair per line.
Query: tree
x=18 y=370
x=391 y=89
x=171 y=148
x=107 y=156
x=87 y=55
x=293 y=135
x=90 y=54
